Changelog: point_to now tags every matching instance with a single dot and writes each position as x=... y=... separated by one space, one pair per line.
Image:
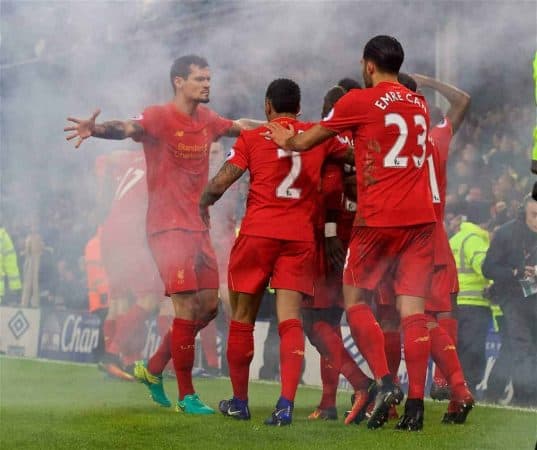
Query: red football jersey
x=127 y=215
x=389 y=124
x=176 y=149
x=439 y=140
x=284 y=186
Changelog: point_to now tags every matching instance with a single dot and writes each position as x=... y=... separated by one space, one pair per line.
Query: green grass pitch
x=52 y=405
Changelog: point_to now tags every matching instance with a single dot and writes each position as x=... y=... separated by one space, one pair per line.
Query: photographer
x=511 y=262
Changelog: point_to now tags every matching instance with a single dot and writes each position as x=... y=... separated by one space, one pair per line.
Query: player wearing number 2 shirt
x=276 y=242
x=393 y=228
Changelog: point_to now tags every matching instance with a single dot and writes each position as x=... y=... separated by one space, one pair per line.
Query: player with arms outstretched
x=394 y=223
x=176 y=138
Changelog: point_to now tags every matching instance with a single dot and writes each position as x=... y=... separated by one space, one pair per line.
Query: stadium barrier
x=67 y=335
x=19 y=331
x=74 y=336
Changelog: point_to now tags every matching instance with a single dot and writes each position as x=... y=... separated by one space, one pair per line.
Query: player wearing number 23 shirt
x=394 y=222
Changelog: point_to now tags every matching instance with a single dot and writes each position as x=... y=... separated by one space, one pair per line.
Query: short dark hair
x=284 y=95
x=330 y=99
x=181 y=66
x=386 y=52
x=407 y=81
x=348 y=84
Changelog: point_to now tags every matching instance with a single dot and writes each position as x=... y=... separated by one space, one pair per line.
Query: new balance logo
x=422 y=339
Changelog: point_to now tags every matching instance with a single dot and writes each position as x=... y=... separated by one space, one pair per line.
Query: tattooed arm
x=226 y=176
x=114 y=129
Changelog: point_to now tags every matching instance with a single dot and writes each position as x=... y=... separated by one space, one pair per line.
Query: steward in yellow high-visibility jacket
x=8 y=264
x=469 y=246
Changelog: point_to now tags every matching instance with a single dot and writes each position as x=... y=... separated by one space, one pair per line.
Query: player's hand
x=335 y=253
x=530 y=271
x=204 y=214
x=279 y=134
x=82 y=129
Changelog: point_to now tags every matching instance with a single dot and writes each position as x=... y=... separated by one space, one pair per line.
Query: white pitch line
x=313 y=387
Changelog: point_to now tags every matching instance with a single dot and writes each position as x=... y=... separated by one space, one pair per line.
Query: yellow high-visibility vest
x=8 y=264
x=469 y=247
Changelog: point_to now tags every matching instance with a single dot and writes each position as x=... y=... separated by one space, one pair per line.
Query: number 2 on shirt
x=392 y=158
x=284 y=189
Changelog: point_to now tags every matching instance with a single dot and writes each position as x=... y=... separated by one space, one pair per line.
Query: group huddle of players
x=342 y=215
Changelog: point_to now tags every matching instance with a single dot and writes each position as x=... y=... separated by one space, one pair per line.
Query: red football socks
x=208 y=343
x=445 y=356
x=240 y=351
x=368 y=338
x=330 y=380
x=183 y=351
x=130 y=336
x=392 y=348
x=450 y=325
x=417 y=346
x=158 y=361
x=332 y=348
x=291 y=356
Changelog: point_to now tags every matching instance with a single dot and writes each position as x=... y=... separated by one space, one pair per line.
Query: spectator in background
x=511 y=262
x=9 y=267
x=469 y=245
x=70 y=291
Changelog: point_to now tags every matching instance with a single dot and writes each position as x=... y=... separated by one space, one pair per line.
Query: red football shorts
x=453 y=276
x=406 y=253
x=440 y=298
x=185 y=260
x=129 y=266
x=254 y=260
x=328 y=291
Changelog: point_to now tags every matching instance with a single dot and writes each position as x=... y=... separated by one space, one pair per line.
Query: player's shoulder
x=206 y=114
x=152 y=112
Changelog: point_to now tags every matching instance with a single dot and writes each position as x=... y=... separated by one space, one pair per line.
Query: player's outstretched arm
x=459 y=101
x=286 y=138
x=114 y=129
x=242 y=125
x=226 y=176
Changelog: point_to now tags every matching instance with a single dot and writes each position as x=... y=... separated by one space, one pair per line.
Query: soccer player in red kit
x=394 y=223
x=176 y=138
x=444 y=288
x=322 y=313
x=129 y=265
x=276 y=242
